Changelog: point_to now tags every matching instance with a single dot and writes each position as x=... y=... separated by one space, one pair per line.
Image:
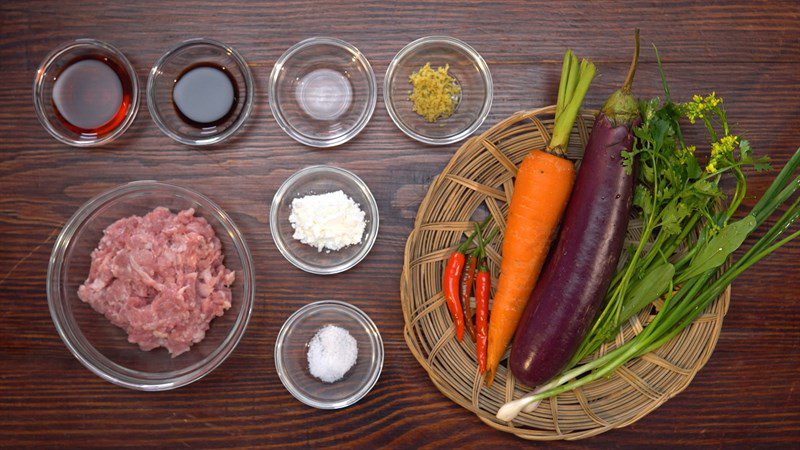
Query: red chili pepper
x=483 y=286
x=466 y=291
x=452 y=276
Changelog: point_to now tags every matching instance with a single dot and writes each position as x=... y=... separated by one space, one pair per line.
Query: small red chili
x=467 y=279
x=452 y=276
x=483 y=286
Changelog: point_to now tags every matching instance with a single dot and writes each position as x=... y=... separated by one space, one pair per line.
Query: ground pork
x=159 y=277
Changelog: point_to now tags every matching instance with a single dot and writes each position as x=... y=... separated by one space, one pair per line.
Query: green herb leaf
x=744 y=149
x=674 y=213
x=661 y=130
x=646 y=290
x=693 y=170
x=707 y=188
x=647 y=173
x=761 y=164
x=714 y=252
x=648 y=109
x=643 y=199
x=627 y=161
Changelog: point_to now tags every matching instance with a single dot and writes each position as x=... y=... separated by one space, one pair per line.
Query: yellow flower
x=697 y=108
x=721 y=150
x=685 y=152
x=712 y=100
x=724 y=146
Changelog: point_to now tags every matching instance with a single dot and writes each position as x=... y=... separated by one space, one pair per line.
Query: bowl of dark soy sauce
x=86 y=93
x=200 y=92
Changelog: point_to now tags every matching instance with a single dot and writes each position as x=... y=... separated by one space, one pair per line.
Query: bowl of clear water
x=322 y=92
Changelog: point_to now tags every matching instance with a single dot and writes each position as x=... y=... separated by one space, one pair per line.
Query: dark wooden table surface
x=749 y=52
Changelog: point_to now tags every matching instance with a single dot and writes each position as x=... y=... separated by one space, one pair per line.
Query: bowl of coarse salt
x=329 y=354
x=324 y=219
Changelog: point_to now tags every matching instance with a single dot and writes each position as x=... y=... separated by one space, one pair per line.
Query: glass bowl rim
x=249 y=84
x=363 y=120
x=58 y=52
x=101 y=365
x=473 y=55
x=377 y=344
x=374 y=225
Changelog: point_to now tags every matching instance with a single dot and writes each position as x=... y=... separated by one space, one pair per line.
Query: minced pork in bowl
x=103 y=347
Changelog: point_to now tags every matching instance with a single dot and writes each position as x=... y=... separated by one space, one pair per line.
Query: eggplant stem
x=626 y=87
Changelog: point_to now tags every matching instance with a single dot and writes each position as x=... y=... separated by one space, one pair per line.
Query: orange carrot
x=541 y=192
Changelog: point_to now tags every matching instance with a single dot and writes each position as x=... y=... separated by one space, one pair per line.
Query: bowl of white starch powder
x=329 y=354
x=324 y=220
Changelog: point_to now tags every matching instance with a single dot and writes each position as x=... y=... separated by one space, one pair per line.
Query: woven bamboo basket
x=479 y=181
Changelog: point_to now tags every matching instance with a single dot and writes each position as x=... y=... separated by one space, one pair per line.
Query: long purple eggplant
x=574 y=281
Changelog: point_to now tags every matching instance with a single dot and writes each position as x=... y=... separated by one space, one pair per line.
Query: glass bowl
x=322 y=92
x=51 y=68
x=320 y=180
x=103 y=347
x=291 y=350
x=466 y=66
x=171 y=66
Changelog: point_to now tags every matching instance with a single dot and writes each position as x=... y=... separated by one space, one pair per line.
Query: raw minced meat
x=159 y=277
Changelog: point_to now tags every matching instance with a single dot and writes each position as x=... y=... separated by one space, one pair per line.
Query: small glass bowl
x=322 y=92
x=466 y=66
x=169 y=68
x=291 y=355
x=320 y=180
x=63 y=56
x=103 y=347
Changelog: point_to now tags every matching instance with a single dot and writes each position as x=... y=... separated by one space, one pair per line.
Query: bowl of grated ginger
x=438 y=90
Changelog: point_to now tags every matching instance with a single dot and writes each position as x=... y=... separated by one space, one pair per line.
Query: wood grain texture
x=749 y=52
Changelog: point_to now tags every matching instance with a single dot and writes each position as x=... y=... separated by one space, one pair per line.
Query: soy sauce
x=92 y=94
x=205 y=95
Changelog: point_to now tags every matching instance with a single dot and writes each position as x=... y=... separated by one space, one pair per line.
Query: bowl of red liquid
x=86 y=93
x=200 y=92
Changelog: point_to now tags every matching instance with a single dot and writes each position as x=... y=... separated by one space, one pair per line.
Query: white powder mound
x=329 y=221
x=331 y=353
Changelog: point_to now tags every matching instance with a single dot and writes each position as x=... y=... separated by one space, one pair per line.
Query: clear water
x=324 y=94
